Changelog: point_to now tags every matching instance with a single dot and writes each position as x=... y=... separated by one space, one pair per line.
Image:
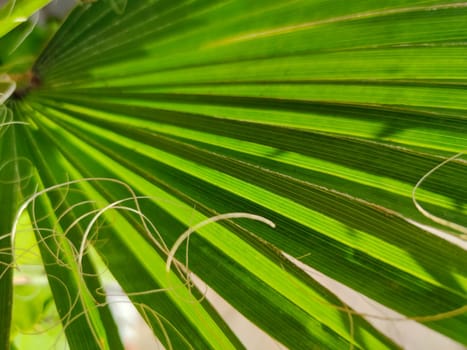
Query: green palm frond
x=15 y=12
x=320 y=116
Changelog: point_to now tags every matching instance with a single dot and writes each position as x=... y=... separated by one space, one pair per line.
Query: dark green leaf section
x=9 y=196
x=408 y=282
x=282 y=144
x=236 y=279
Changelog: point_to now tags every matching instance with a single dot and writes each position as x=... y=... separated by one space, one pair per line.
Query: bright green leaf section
x=15 y=12
x=9 y=194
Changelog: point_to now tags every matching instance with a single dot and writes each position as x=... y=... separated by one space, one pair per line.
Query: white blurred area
x=134 y=332
x=58 y=9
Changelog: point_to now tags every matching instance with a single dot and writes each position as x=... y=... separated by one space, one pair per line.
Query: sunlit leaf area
x=233 y=174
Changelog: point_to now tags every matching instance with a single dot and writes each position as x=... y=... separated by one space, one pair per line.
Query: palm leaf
x=320 y=116
x=15 y=12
